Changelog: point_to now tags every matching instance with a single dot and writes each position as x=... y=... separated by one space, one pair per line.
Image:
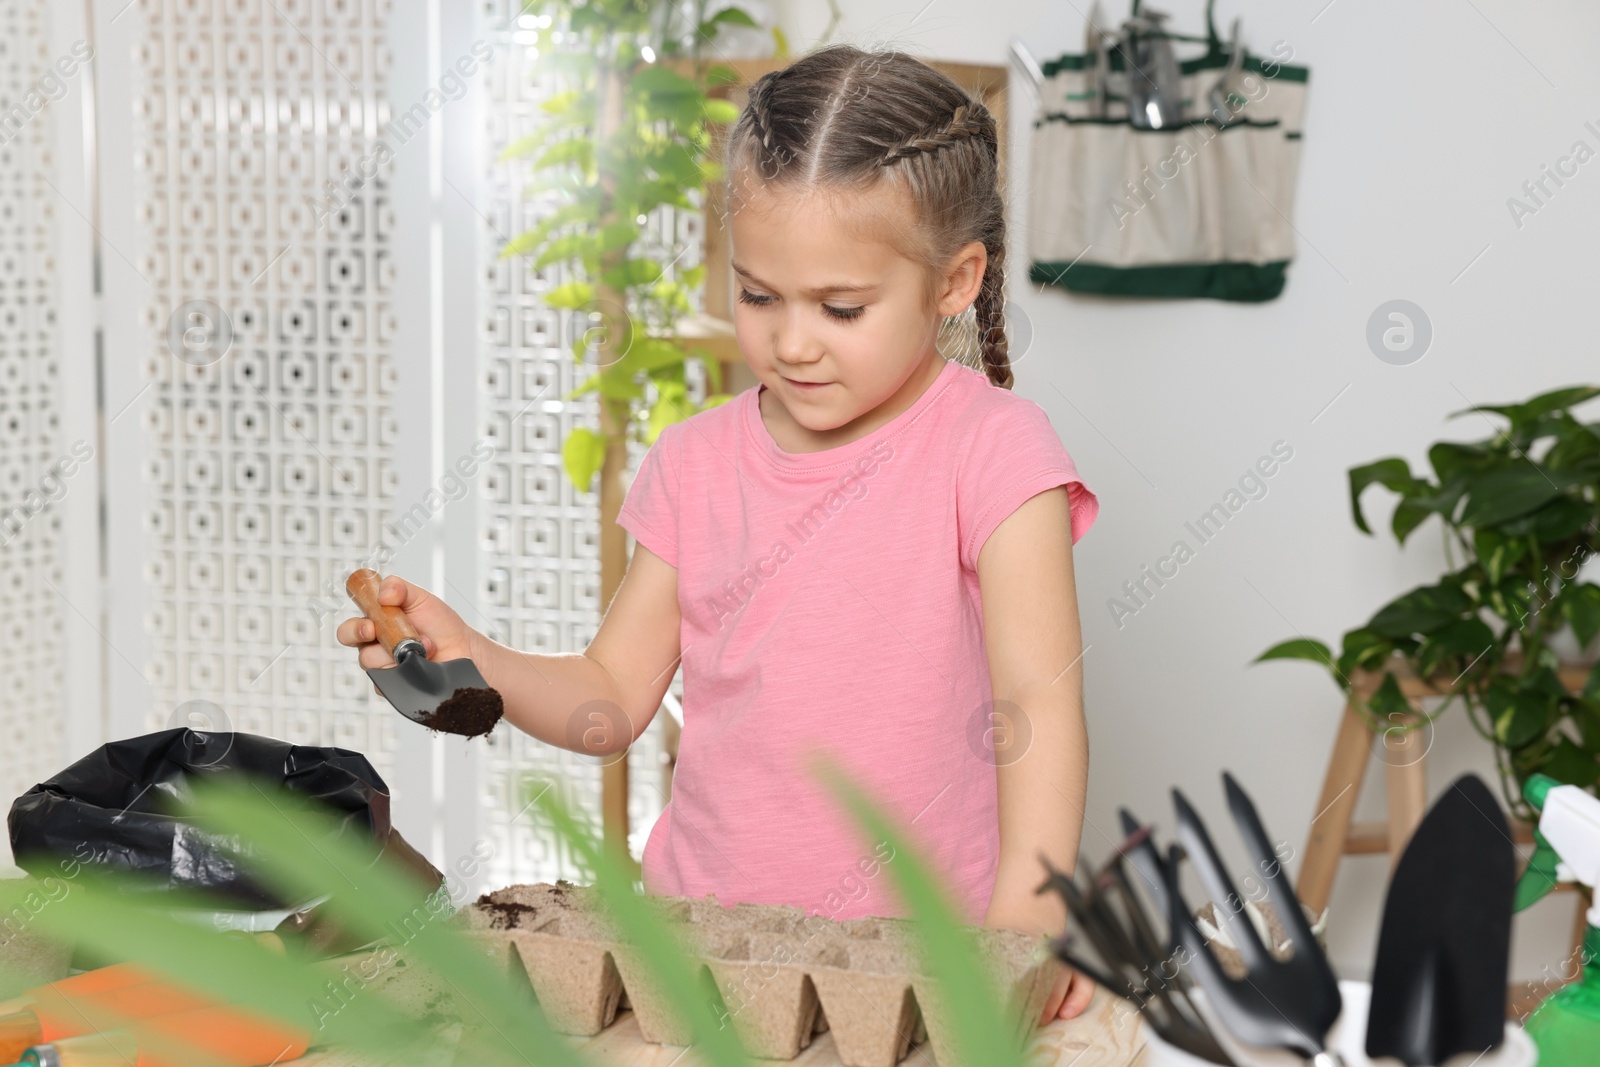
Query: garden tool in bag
x=1155 y=176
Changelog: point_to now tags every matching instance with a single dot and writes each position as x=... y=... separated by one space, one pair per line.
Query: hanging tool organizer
x=1155 y=176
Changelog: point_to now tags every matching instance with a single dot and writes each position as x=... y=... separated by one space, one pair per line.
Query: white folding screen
x=288 y=337
x=37 y=463
x=269 y=424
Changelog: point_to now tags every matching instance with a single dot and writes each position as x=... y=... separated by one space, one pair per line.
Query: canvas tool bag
x=1200 y=208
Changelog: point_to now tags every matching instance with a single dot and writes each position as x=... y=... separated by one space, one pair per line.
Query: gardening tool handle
x=389 y=622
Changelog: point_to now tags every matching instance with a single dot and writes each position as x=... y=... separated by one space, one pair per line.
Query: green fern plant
x=296 y=847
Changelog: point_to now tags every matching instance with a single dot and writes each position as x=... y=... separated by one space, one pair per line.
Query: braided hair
x=842 y=116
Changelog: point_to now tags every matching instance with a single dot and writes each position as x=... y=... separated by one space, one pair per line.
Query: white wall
x=1422 y=120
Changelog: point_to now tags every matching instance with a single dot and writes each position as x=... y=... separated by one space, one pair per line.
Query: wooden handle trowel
x=450 y=697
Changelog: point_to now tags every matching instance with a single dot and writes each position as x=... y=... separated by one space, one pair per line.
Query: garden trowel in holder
x=1439 y=976
x=451 y=697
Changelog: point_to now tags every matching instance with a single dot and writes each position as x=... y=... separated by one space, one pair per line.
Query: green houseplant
x=628 y=134
x=476 y=1012
x=1522 y=508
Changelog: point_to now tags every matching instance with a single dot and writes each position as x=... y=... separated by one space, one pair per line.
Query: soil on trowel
x=470 y=712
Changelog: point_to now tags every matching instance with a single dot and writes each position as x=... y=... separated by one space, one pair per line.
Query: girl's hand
x=444 y=635
x=1069 y=997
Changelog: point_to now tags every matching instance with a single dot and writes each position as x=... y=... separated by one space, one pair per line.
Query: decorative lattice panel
x=542 y=584
x=264 y=200
x=36 y=465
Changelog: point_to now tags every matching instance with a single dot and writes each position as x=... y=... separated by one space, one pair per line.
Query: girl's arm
x=1035 y=648
x=600 y=700
x=597 y=701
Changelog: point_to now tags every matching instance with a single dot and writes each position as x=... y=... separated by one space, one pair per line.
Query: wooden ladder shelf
x=1334 y=833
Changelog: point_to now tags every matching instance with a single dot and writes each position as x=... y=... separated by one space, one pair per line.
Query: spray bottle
x=1566 y=1027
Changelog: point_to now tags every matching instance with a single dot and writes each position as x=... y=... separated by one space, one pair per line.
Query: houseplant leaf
x=1581 y=605
x=570 y=246
x=671 y=406
x=1521 y=714
x=1393 y=473
x=733 y=16
x=1512 y=491
x=1422 y=610
x=572 y=295
x=1467 y=639
x=1511 y=600
x=652 y=353
x=1570 y=764
x=721 y=112
x=632 y=272
x=619 y=234
x=1577 y=448
x=1388 y=701
x=1562 y=518
x=1442 y=502
x=1453 y=459
x=1533 y=408
x=615 y=382
x=1496 y=552
x=1587 y=718
x=575 y=150
x=583 y=453
x=524 y=243
x=1408 y=515
x=1362 y=650
x=1298 y=648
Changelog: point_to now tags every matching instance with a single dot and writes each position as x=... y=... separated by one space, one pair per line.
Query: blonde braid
x=970 y=120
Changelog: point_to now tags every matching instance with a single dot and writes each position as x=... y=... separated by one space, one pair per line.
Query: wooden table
x=1107 y=1034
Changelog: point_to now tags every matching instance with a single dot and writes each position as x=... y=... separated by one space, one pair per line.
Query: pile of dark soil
x=469 y=712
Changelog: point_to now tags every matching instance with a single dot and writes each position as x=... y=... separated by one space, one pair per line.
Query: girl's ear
x=963 y=278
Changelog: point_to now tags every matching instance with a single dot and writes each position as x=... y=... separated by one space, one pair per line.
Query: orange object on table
x=121 y=992
x=99 y=980
x=227 y=1036
x=70 y=1009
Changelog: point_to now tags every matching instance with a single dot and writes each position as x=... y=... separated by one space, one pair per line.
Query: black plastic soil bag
x=114 y=805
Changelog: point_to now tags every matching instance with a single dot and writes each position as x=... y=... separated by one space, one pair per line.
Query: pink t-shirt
x=831 y=599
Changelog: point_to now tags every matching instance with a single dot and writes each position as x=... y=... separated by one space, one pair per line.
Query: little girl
x=869 y=553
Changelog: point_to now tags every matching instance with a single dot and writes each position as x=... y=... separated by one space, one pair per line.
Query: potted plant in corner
x=1511 y=630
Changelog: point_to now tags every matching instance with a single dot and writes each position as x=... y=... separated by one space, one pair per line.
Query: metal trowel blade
x=416 y=686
